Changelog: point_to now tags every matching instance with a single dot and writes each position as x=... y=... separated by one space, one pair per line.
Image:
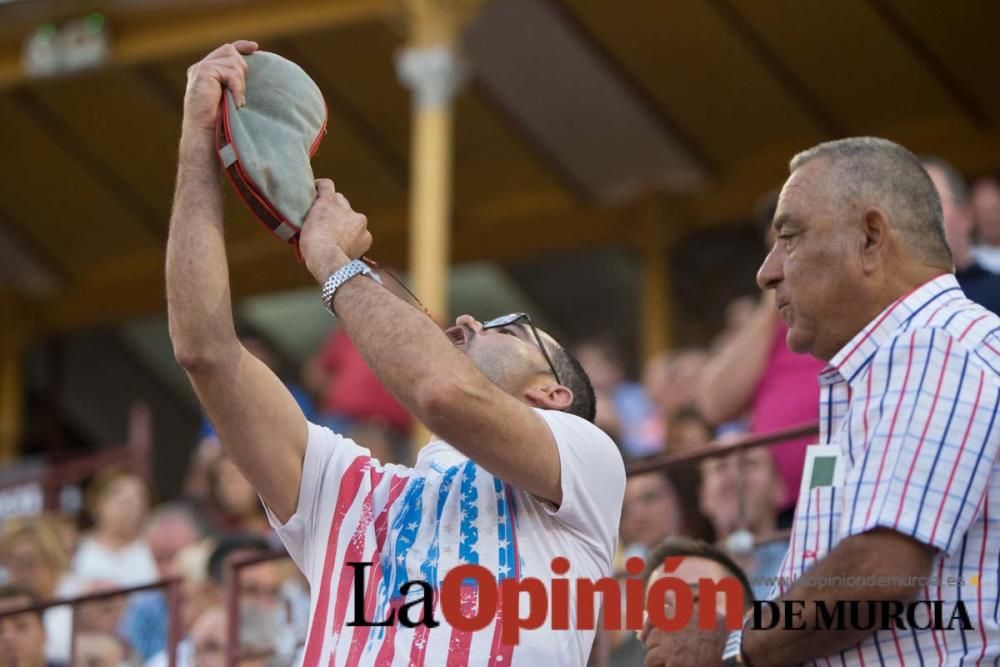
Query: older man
x=517 y=475
x=908 y=484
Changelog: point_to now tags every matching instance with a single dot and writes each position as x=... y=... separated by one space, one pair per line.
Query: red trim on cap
x=251 y=195
x=322 y=131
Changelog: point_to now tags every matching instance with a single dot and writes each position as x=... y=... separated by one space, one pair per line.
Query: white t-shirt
x=418 y=523
x=132 y=565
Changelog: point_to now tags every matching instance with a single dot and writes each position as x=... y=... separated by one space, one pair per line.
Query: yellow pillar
x=11 y=379
x=433 y=73
x=432 y=69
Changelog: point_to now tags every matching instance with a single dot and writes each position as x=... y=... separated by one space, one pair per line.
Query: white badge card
x=824 y=468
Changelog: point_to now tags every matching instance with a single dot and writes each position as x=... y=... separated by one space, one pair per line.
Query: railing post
x=232 y=579
x=173 y=620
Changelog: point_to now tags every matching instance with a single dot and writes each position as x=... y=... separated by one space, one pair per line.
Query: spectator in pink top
x=351 y=394
x=755 y=374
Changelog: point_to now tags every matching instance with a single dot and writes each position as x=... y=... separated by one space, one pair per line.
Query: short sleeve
x=335 y=471
x=592 y=475
x=932 y=441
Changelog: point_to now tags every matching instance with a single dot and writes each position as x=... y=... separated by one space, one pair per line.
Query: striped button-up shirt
x=911 y=403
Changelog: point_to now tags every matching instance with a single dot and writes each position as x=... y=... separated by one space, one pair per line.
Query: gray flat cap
x=265 y=146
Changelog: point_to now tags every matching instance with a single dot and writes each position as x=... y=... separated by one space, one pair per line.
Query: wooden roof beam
x=157 y=40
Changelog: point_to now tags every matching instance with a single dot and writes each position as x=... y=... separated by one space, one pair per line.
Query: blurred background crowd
x=741 y=382
x=605 y=167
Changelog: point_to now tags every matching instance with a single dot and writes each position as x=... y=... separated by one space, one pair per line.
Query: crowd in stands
x=728 y=513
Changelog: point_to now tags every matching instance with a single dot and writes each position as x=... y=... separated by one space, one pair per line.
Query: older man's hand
x=689 y=647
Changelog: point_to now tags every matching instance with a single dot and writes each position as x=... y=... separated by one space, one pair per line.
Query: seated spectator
x=756 y=373
x=66 y=527
x=34 y=556
x=740 y=494
x=618 y=648
x=197 y=482
x=208 y=642
x=351 y=394
x=237 y=507
x=114 y=551
x=687 y=430
x=262 y=592
x=197 y=591
x=670 y=379
x=100 y=649
x=651 y=512
x=986 y=211
x=685 y=479
x=260 y=596
x=103 y=615
x=171 y=529
x=701 y=561
x=623 y=410
x=22 y=636
x=979 y=284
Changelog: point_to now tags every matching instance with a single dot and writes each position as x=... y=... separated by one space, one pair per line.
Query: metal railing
x=714 y=448
x=171 y=587
x=76 y=470
x=234 y=649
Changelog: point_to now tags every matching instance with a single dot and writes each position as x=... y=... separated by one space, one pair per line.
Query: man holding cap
x=516 y=475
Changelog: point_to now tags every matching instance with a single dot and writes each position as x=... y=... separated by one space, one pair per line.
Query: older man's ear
x=874 y=240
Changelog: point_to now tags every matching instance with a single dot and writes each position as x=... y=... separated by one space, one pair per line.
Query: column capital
x=433 y=73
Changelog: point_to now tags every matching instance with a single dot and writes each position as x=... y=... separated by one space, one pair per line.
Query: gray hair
x=957 y=187
x=873 y=171
x=177 y=510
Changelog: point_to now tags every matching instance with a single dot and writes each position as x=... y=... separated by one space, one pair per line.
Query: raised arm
x=259 y=422
x=728 y=381
x=420 y=365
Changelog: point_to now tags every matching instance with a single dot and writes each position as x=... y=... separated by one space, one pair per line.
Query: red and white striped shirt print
x=419 y=523
x=912 y=401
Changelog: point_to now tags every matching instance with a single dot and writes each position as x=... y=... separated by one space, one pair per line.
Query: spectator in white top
x=171 y=528
x=115 y=550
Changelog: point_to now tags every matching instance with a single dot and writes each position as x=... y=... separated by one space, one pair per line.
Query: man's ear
x=874 y=239
x=549 y=396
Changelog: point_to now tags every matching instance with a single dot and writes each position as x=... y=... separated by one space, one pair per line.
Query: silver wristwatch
x=732 y=655
x=342 y=275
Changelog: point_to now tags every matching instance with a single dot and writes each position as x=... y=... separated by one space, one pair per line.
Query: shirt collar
x=855 y=355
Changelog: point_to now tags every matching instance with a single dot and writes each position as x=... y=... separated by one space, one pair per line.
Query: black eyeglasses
x=514 y=318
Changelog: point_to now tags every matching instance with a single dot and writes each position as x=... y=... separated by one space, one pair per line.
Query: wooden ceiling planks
x=700 y=74
x=89 y=160
x=56 y=200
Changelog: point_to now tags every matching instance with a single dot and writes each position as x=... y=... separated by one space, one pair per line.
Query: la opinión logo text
x=638 y=603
